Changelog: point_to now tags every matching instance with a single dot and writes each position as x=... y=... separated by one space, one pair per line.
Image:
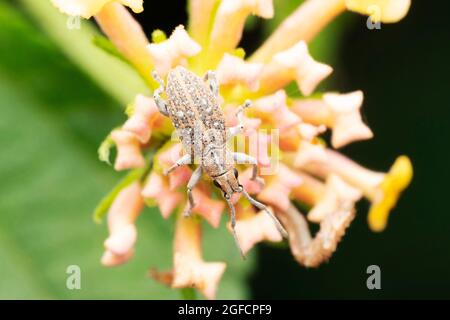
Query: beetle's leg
x=210 y=77
x=157 y=95
x=242 y=158
x=234 y=131
x=195 y=178
x=261 y=206
x=184 y=160
x=233 y=225
x=312 y=251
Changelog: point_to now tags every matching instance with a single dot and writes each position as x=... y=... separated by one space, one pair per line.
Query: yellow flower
x=398 y=178
x=380 y=10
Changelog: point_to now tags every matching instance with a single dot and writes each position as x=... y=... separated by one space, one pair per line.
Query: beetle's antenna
x=233 y=226
x=260 y=206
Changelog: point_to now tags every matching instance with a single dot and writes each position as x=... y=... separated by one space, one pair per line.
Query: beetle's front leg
x=234 y=131
x=157 y=95
x=261 y=206
x=184 y=160
x=210 y=77
x=242 y=158
x=195 y=178
x=233 y=225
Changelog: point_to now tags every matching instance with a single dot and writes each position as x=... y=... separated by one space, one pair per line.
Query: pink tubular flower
x=173 y=51
x=279 y=187
x=234 y=70
x=253 y=227
x=157 y=188
x=190 y=270
x=281 y=132
x=296 y=64
x=121 y=217
x=142 y=119
x=339 y=112
x=128 y=150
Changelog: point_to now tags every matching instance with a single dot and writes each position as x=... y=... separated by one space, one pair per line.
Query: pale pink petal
x=309 y=132
x=128 y=150
x=296 y=64
x=121 y=217
x=189 y=268
x=338 y=194
x=311 y=191
x=141 y=121
x=110 y=259
x=208 y=208
x=309 y=152
x=249 y=185
x=307 y=72
x=352 y=173
x=256 y=228
x=179 y=177
x=157 y=188
x=234 y=70
x=173 y=51
x=275 y=107
x=278 y=188
x=347 y=122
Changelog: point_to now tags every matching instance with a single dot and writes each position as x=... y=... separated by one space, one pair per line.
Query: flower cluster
x=310 y=170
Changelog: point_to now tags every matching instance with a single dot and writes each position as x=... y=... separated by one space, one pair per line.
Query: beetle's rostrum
x=193 y=107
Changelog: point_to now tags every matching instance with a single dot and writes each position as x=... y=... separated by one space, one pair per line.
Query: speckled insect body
x=193 y=106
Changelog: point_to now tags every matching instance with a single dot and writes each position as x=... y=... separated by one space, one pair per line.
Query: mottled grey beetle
x=200 y=123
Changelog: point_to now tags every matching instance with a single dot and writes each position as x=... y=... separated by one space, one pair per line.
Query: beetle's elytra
x=193 y=107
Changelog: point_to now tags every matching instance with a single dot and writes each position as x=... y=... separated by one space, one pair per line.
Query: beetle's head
x=228 y=183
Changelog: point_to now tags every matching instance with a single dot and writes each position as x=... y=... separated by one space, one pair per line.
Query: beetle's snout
x=228 y=183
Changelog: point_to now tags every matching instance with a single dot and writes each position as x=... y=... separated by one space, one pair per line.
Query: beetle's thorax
x=216 y=161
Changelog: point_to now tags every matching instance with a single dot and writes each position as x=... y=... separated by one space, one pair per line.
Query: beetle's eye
x=236 y=173
x=217 y=184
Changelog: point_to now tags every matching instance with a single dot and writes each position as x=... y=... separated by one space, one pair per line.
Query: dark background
x=404 y=71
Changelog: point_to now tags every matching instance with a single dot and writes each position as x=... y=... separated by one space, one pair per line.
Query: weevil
x=192 y=104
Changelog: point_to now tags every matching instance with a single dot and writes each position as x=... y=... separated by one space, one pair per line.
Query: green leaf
x=104 y=150
x=52 y=119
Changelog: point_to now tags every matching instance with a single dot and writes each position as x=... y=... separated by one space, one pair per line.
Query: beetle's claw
x=188 y=211
x=260 y=181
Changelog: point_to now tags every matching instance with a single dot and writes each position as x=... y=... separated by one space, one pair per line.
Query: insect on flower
x=195 y=112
